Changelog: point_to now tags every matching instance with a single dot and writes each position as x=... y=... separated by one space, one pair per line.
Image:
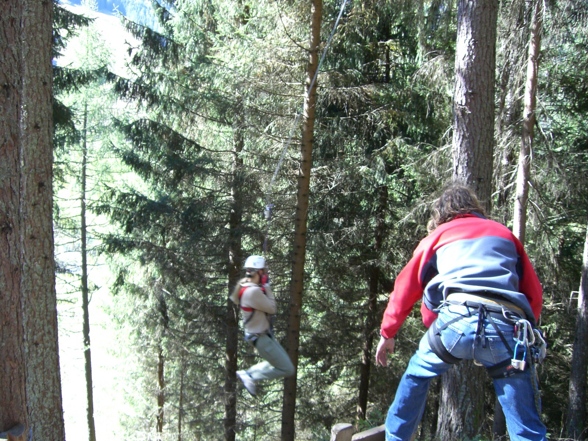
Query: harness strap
x=484 y=311
x=500 y=370
x=499 y=332
x=493 y=304
x=244 y=308
x=437 y=346
x=503 y=369
x=247 y=308
x=503 y=311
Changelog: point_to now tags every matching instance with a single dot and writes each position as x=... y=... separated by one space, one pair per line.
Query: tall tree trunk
x=473 y=100
x=297 y=283
x=522 y=192
x=161 y=307
x=508 y=109
x=372 y=309
x=461 y=409
x=160 y=391
x=523 y=172
x=576 y=415
x=234 y=268
x=85 y=288
x=181 y=396
x=499 y=422
x=30 y=389
x=473 y=146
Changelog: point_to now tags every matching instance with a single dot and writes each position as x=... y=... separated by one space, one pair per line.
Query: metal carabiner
x=538 y=336
x=519 y=363
x=524 y=333
x=520 y=332
x=540 y=346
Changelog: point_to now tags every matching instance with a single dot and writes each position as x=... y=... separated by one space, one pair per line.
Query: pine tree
x=473 y=146
x=191 y=149
x=29 y=379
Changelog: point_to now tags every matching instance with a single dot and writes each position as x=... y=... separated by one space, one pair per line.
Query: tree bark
x=462 y=398
x=85 y=288
x=576 y=414
x=524 y=165
x=461 y=411
x=160 y=391
x=509 y=109
x=372 y=309
x=234 y=267
x=522 y=192
x=30 y=389
x=181 y=396
x=299 y=255
x=473 y=102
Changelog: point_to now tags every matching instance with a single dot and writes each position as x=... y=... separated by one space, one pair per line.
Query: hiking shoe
x=248 y=382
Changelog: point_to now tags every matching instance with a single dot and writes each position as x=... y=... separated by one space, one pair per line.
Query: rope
x=269 y=206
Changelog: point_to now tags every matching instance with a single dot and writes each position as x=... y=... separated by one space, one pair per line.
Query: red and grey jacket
x=468 y=254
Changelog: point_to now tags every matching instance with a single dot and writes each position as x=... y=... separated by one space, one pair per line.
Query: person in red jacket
x=481 y=300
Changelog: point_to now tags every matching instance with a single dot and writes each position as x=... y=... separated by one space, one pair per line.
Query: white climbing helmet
x=254 y=262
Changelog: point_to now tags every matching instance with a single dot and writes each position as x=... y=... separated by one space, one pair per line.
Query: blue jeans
x=515 y=393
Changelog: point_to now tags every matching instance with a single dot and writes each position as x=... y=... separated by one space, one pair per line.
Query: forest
x=316 y=134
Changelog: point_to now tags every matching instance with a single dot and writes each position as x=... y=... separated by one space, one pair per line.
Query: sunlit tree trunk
x=161 y=306
x=85 y=287
x=181 y=396
x=234 y=267
x=160 y=391
x=523 y=172
x=473 y=100
x=576 y=414
x=509 y=110
x=462 y=397
x=30 y=390
x=300 y=222
x=522 y=192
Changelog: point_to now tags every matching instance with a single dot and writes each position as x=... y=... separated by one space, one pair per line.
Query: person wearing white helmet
x=254 y=296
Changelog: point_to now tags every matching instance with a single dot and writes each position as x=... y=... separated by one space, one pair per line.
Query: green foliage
x=557 y=209
x=196 y=81
x=214 y=92
x=65 y=25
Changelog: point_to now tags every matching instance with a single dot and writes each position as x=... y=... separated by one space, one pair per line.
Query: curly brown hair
x=456 y=199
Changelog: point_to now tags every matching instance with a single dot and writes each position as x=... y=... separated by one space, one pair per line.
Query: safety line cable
x=268 y=207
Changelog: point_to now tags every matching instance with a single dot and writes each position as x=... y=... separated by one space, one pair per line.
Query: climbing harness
x=269 y=206
x=531 y=339
x=527 y=338
x=539 y=349
x=434 y=339
x=246 y=308
x=250 y=337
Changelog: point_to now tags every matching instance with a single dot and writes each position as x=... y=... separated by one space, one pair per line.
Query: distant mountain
x=105 y=6
x=112 y=33
x=139 y=11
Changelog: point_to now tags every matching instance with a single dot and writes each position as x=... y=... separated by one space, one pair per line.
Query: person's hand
x=385 y=347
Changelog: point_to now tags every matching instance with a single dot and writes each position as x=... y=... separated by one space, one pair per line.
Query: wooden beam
x=373 y=434
x=342 y=432
x=16 y=433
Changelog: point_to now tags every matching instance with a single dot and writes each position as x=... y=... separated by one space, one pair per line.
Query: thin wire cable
x=268 y=207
